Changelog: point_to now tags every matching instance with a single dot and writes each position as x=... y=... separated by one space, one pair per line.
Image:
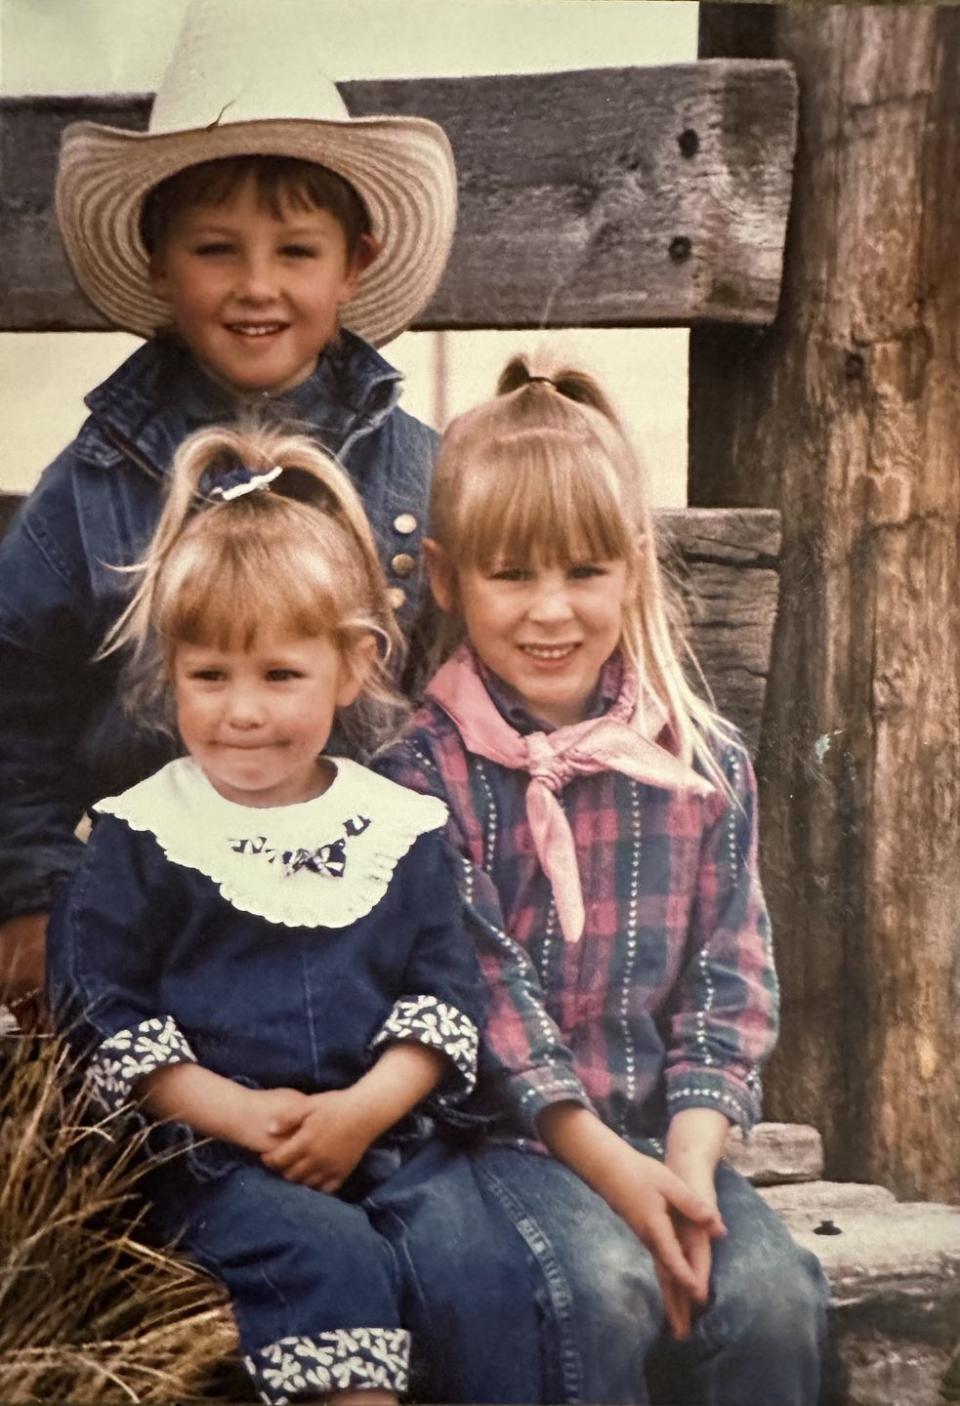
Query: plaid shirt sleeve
x=530 y=1066
x=526 y=1065
x=724 y=1022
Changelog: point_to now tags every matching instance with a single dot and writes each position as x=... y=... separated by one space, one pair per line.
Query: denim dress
x=285 y=947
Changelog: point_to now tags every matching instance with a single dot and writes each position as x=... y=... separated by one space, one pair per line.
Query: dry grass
x=89 y=1313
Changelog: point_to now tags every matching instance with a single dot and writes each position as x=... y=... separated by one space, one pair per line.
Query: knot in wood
x=688 y=142
x=680 y=248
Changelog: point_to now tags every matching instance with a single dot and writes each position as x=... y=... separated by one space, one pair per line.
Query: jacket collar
x=160 y=394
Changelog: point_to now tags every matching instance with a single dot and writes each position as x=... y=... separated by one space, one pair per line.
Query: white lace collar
x=324 y=862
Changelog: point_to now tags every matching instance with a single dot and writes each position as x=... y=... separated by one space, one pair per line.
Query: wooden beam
x=610 y=198
x=726 y=562
x=846 y=415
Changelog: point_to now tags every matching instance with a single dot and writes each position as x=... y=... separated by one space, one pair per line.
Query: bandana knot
x=545 y=764
x=623 y=740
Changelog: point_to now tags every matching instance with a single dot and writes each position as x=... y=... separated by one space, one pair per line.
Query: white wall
x=67 y=46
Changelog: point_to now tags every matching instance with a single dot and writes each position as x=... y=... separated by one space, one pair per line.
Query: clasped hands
x=685 y=1274
x=314 y=1139
x=676 y=1217
x=670 y=1206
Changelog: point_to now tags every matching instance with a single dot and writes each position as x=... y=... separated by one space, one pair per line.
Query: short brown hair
x=278 y=181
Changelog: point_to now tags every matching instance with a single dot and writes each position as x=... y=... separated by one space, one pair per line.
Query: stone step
x=894 y=1274
x=777 y=1152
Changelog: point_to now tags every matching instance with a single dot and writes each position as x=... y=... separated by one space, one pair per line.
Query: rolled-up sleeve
x=724 y=1021
x=443 y=1003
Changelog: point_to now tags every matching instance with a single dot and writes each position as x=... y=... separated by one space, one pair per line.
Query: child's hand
x=649 y=1196
x=322 y=1148
x=680 y=1302
x=677 y=1224
x=269 y=1115
x=695 y=1141
x=22 y=950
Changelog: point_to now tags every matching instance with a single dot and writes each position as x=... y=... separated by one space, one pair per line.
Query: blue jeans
x=759 y=1341
x=331 y=1291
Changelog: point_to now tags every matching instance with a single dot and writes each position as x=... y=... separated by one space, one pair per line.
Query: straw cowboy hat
x=243 y=82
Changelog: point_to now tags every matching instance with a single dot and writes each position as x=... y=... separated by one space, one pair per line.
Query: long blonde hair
x=294 y=557
x=545 y=472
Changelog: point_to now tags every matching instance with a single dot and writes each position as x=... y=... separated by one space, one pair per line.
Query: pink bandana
x=622 y=740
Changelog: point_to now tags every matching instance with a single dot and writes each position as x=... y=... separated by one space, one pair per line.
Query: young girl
x=606 y=817
x=262 y=948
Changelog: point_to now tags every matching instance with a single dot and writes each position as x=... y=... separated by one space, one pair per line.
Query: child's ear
x=355 y=667
x=363 y=256
x=157 y=274
x=441 y=574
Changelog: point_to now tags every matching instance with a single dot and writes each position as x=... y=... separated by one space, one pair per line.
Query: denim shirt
x=64 y=741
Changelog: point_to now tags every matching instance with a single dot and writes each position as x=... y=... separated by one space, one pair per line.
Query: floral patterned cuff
x=124 y=1058
x=442 y=1027
x=340 y=1360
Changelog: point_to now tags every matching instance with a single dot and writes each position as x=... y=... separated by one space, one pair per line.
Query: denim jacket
x=64 y=741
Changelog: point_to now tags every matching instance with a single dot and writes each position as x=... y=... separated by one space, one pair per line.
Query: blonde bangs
x=216 y=592
x=541 y=497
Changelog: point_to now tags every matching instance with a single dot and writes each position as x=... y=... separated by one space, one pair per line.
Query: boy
x=261 y=239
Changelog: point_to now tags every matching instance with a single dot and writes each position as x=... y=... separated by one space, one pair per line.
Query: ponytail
x=568 y=381
x=260 y=532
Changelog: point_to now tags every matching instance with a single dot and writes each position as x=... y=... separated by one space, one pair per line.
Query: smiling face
x=545 y=630
x=257 y=720
x=256 y=297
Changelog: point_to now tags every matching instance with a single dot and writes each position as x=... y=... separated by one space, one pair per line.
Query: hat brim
x=401 y=167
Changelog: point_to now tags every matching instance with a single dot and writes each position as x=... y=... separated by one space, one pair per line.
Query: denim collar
x=511 y=706
x=161 y=394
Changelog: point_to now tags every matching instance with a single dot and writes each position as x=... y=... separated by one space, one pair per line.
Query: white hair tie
x=237 y=486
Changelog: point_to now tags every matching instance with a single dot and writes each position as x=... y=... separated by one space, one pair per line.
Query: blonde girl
x=606 y=818
x=261 y=951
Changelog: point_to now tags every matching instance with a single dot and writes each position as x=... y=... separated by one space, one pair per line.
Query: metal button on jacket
x=403 y=564
x=405 y=523
x=396 y=597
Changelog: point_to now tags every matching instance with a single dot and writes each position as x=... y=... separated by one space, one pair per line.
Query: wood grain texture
x=611 y=197
x=846 y=415
x=726 y=562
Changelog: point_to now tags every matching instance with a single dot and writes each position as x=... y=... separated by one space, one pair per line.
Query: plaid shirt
x=669 y=1000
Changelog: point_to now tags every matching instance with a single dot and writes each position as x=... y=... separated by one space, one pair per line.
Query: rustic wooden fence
x=615 y=198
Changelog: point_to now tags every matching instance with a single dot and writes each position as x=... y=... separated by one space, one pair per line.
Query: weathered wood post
x=846 y=416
